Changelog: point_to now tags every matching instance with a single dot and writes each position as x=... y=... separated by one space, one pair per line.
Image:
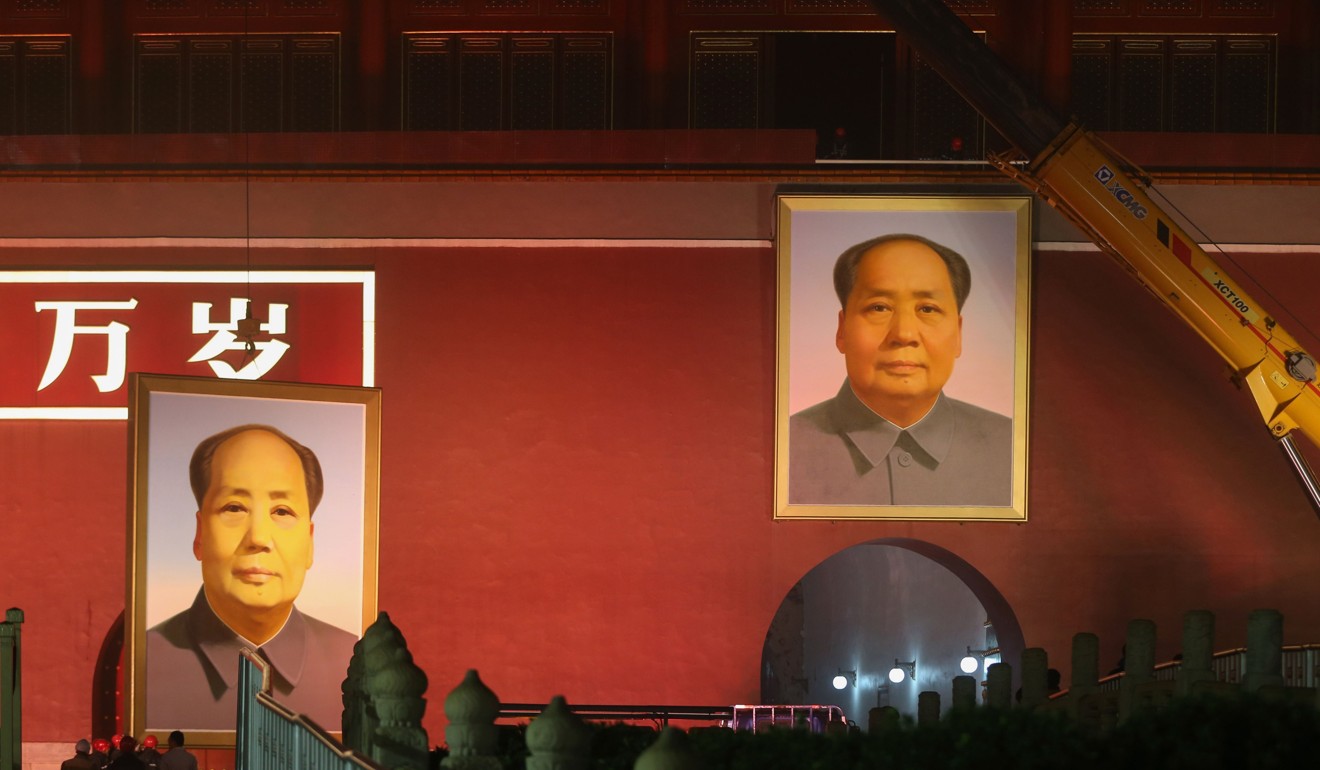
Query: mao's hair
x=845 y=268
x=199 y=468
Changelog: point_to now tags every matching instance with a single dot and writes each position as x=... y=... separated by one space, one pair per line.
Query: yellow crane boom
x=1072 y=170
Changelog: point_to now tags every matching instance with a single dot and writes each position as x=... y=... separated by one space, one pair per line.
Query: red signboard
x=70 y=338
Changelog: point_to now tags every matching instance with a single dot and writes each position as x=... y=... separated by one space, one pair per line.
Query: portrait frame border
x=142 y=387
x=786 y=205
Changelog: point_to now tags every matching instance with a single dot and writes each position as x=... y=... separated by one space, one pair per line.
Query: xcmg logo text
x=1106 y=178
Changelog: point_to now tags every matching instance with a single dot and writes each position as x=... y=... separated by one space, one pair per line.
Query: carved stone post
x=883 y=719
x=11 y=690
x=1085 y=674
x=1085 y=662
x=1138 y=666
x=355 y=702
x=928 y=708
x=396 y=687
x=671 y=751
x=558 y=739
x=1264 y=650
x=964 y=692
x=999 y=686
x=471 y=709
x=1198 y=642
x=1035 y=676
x=359 y=720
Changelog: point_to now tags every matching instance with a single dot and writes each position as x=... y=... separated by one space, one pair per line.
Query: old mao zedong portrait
x=891 y=435
x=257 y=491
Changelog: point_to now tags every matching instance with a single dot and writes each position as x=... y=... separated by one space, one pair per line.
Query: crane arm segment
x=1092 y=185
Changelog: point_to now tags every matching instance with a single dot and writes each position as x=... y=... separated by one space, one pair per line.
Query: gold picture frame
x=176 y=642
x=966 y=460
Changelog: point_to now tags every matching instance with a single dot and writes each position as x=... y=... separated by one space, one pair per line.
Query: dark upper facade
x=224 y=66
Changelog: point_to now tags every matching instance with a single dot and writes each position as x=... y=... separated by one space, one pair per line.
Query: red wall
x=577 y=473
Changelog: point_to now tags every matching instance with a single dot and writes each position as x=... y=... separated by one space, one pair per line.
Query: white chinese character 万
x=268 y=352
x=66 y=328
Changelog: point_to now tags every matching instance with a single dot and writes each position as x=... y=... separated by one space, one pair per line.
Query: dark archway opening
x=871 y=604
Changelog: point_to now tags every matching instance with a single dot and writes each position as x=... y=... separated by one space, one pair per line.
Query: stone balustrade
x=383 y=696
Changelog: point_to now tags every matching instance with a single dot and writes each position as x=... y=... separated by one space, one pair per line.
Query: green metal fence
x=271 y=737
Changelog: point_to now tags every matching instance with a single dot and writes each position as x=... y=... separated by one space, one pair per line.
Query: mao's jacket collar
x=875 y=437
x=221 y=645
